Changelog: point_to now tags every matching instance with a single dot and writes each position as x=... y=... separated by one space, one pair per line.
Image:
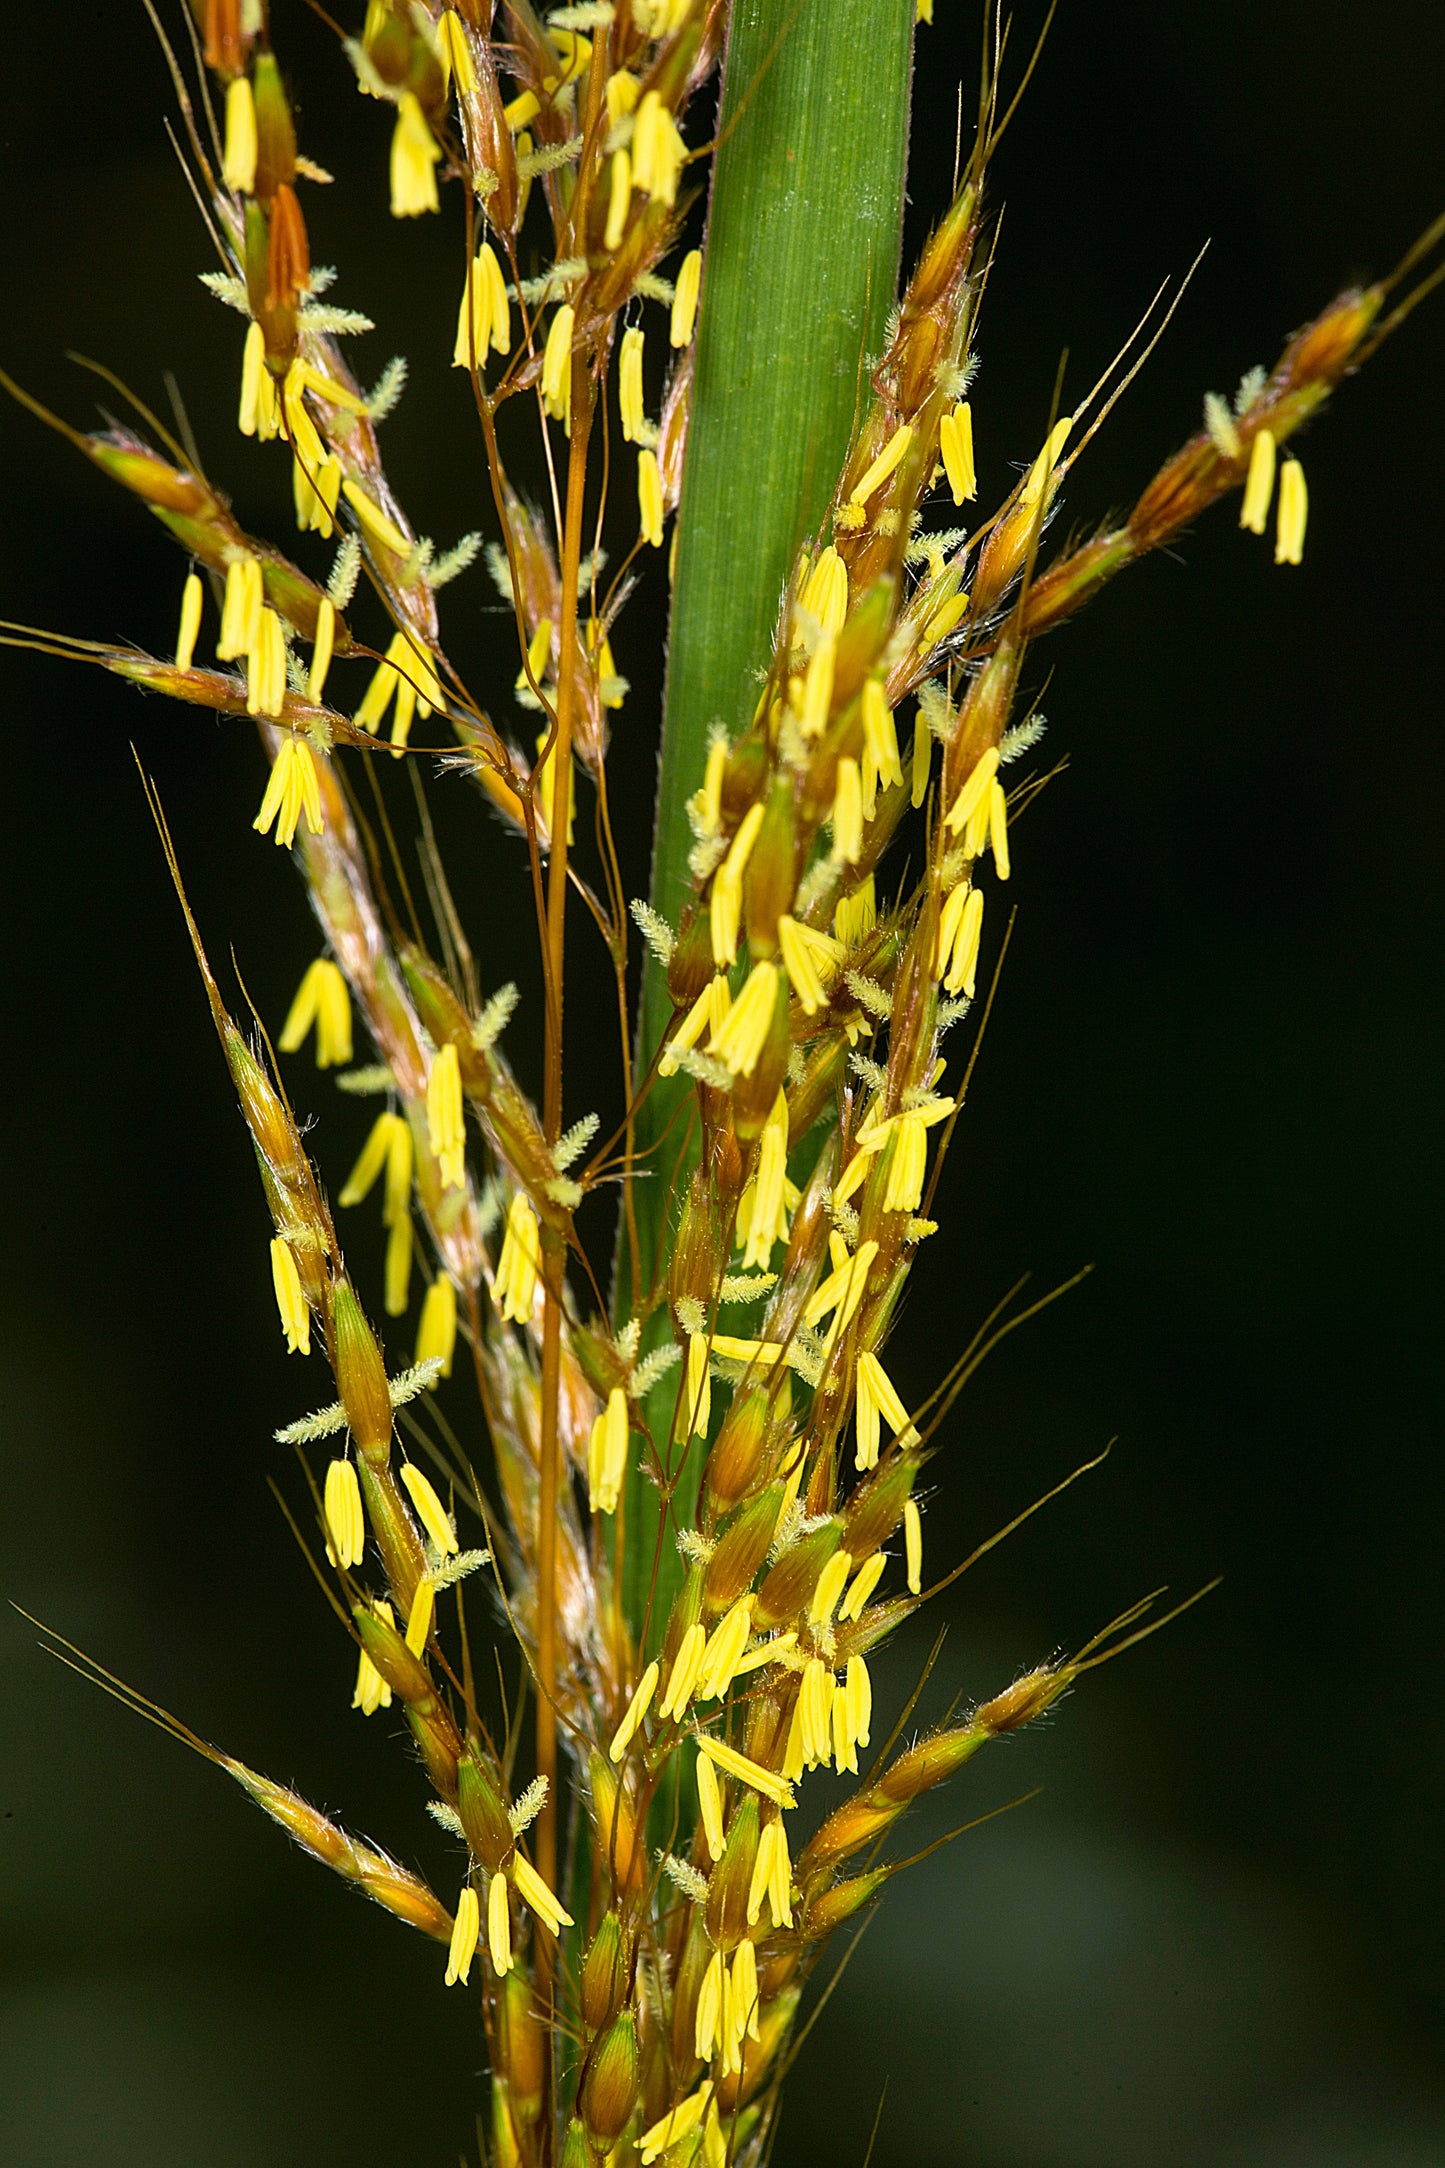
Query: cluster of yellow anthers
x=810 y=1011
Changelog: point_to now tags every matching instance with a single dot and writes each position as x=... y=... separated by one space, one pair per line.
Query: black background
x=1215 y=1071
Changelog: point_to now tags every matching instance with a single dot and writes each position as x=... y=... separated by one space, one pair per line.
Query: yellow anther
x=321 y=999
x=883 y=465
x=294 y=790
x=818 y=688
x=557 y=364
x=825 y=591
x=764 y=1781
x=1258 y=483
x=848 y=814
x=419 y=1618
x=378 y=525
x=499 y=1927
x=1289 y=539
x=629 y=384
x=190 y=626
x=522 y=109
x=1041 y=472
x=974 y=790
x=740 y=1041
x=290 y=1301
x=637 y=1709
x=240 y=608
x=322 y=649
x=621 y=94
x=682 y=1678
x=266 y=666
x=455 y=55
x=445 y=1117
x=831 y=1583
x=697 y=1396
x=955 y=445
x=619 y=197
x=658 y=150
x=921 y=757
x=414 y=155
x=856 y=915
x=238 y=159
x=260 y=413
x=709 y=1800
x=880 y=735
x=467 y=1926
x=878 y=1402
x=607 y=1454
x=811 y=960
x=534 y=1892
x=649 y=498
x=517 y=1267
x=684 y=299
x=430 y=1511
x=708 y=1013
x=341 y=1506
x=484 y=319
x=913 y=1546
x=864 y=1582
x=436 y=1333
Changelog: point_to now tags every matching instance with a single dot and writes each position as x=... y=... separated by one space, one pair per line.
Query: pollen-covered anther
x=190 y=625
x=636 y=1710
x=322 y=649
x=878 y=1402
x=724 y=1651
x=260 y=409
x=955 y=446
x=848 y=813
x=909 y=1164
x=913 y=1546
x=499 y=1926
x=973 y=791
x=1258 y=483
x=445 y=1117
x=238 y=157
x=341 y=1507
x=709 y=1800
x=960 y=924
x=864 y=1582
x=534 y=1893
x=772 y=1876
x=697 y=1392
x=454 y=52
x=607 y=1454
x=678 y=2123
x=880 y=734
x=708 y=1013
x=878 y=473
x=466 y=1932
x=484 y=319
x=414 y=156
x=430 y=1511
x=419 y=1617
x=811 y=959
x=739 y=1042
x=815 y=1713
x=824 y=594
x=629 y=384
x=1289 y=543
x=321 y=999
x=557 y=365
x=830 y=1586
x=519 y=1263
x=649 y=498
x=436 y=1333
x=763 y=1781
x=293 y=791
x=658 y=150
x=682 y=1678
x=684 y=299
x=266 y=666
x=725 y=903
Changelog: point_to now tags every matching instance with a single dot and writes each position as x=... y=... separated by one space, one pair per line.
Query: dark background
x=1215 y=1073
